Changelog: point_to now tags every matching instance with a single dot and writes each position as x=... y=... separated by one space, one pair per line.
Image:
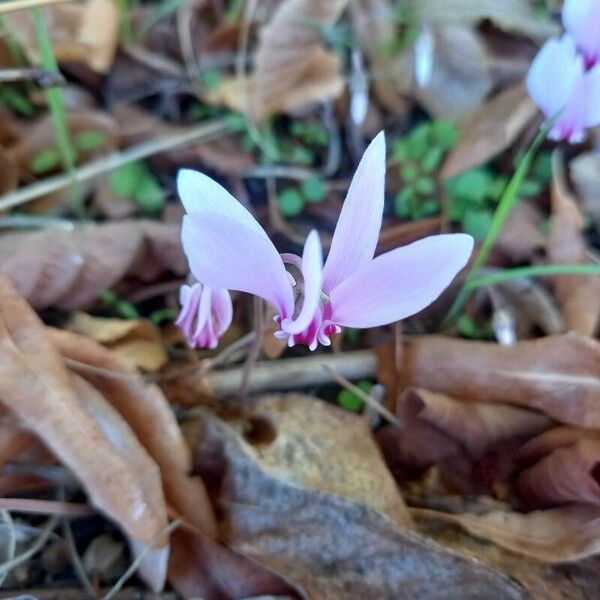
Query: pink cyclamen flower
x=227 y=248
x=205 y=314
x=581 y=19
x=559 y=82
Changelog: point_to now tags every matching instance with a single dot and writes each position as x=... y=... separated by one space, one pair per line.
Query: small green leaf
x=350 y=401
x=291 y=202
x=236 y=122
x=530 y=188
x=473 y=186
x=45 y=161
x=352 y=335
x=126 y=310
x=477 y=222
x=432 y=159
x=161 y=315
x=211 y=78
x=444 y=133
x=403 y=201
x=125 y=179
x=314 y=189
x=149 y=196
x=425 y=186
x=87 y=141
x=409 y=173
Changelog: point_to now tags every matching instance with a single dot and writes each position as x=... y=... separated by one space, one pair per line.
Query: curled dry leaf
x=555 y=535
x=557 y=437
x=460 y=73
x=328 y=538
x=585 y=173
x=86 y=32
x=35 y=385
x=69 y=269
x=557 y=375
x=153 y=567
x=578 y=295
x=567 y=474
x=289 y=48
x=490 y=130
x=516 y=16
x=137 y=341
x=477 y=426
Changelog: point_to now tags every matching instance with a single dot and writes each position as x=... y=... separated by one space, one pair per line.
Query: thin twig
x=254 y=351
x=366 y=398
x=76 y=560
x=14 y=5
x=49 y=527
x=42 y=77
x=139 y=558
x=12 y=540
x=91 y=170
x=46 y=507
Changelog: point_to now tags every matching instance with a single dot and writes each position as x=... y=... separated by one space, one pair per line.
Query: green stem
x=509 y=198
x=535 y=271
x=54 y=96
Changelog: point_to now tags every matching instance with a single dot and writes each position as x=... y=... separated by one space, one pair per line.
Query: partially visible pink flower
x=581 y=19
x=227 y=248
x=205 y=314
x=558 y=82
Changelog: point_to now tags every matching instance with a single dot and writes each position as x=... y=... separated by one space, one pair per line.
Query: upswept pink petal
x=400 y=283
x=591 y=92
x=357 y=230
x=581 y=19
x=223 y=253
x=200 y=193
x=553 y=74
x=222 y=311
x=312 y=273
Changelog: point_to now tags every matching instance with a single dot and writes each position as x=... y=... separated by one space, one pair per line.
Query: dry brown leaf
x=69 y=269
x=585 y=173
x=373 y=21
x=199 y=567
x=289 y=49
x=9 y=173
x=322 y=538
x=555 y=535
x=320 y=81
x=138 y=341
x=35 y=385
x=557 y=375
x=557 y=437
x=460 y=78
x=515 y=16
x=567 y=474
x=153 y=567
x=87 y=32
x=476 y=425
x=148 y=413
x=490 y=130
x=578 y=295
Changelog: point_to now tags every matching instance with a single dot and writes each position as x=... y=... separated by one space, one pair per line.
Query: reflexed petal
x=222 y=253
x=581 y=19
x=312 y=266
x=357 y=230
x=553 y=74
x=591 y=93
x=198 y=192
x=400 y=283
x=222 y=311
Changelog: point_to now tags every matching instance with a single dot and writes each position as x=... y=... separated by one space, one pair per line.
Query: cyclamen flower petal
x=205 y=314
x=357 y=230
x=558 y=82
x=581 y=19
x=224 y=253
x=312 y=266
x=401 y=282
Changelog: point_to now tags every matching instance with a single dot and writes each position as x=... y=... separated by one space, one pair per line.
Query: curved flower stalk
x=228 y=249
x=581 y=19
